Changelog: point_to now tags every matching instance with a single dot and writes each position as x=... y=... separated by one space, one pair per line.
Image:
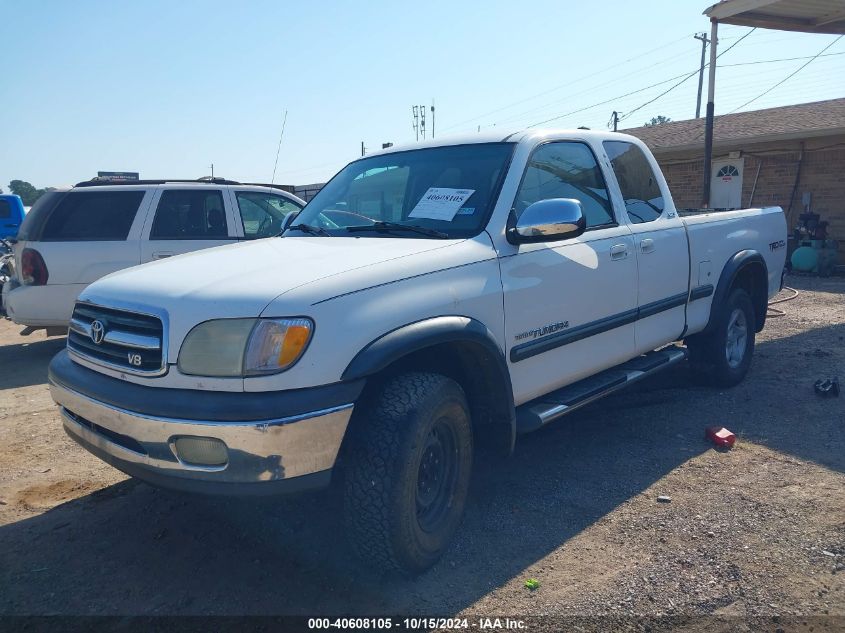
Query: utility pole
x=416 y=112
x=363 y=149
x=615 y=119
x=708 y=122
x=212 y=171
x=422 y=121
x=432 y=118
x=704 y=42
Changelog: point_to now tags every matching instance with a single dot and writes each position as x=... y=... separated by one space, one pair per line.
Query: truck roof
x=532 y=135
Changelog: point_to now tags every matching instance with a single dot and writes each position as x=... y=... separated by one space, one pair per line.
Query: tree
x=658 y=120
x=26 y=191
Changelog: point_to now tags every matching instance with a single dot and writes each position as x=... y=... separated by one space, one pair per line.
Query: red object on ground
x=720 y=436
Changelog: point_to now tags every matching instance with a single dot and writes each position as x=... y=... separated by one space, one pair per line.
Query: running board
x=532 y=415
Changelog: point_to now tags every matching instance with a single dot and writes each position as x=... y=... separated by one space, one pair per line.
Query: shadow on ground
x=131 y=549
x=24 y=364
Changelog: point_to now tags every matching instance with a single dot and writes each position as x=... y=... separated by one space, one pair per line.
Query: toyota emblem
x=98 y=331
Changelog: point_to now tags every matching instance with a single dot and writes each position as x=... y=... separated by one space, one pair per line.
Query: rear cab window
x=5 y=209
x=87 y=216
x=637 y=181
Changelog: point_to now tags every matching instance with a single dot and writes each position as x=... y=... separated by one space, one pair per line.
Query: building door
x=726 y=184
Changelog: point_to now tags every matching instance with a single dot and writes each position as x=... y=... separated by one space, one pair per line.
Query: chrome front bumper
x=300 y=448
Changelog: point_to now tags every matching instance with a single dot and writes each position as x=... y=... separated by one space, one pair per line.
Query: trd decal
x=776 y=245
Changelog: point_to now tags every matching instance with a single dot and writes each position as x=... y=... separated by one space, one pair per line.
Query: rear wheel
x=409 y=468
x=724 y=355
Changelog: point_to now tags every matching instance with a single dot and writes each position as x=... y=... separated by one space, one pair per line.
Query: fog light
x=200 y=451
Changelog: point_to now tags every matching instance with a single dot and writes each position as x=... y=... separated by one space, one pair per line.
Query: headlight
x=244 y=347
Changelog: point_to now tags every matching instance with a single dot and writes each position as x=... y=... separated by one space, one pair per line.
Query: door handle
x=647 y=245
x=162 y=254
x=619 y=251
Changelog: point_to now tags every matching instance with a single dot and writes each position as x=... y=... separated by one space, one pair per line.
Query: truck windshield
x=438 y=192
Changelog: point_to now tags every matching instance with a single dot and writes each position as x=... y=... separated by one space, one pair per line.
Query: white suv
x=73 y=237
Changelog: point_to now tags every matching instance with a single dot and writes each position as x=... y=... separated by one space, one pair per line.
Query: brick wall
x=822 y=176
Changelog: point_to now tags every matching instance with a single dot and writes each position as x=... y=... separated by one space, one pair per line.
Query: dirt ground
x=759 y=530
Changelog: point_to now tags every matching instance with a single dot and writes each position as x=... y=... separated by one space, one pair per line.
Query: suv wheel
x=409 y=469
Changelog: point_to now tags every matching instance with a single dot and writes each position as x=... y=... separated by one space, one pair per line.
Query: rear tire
x=724 y=355
x=406 y=485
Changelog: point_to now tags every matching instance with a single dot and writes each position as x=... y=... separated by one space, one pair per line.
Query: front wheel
x=724 y=355
x=409 y=470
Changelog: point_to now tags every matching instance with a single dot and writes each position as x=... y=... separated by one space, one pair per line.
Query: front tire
x=724 y=355
x=409 y=469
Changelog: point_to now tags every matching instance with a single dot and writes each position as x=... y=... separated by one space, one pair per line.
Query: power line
x=692 y=74
x=628 y=94
x=783 y=59
x=789 y=76
x=565 y=85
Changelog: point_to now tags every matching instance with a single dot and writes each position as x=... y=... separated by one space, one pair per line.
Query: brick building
x=792 y=156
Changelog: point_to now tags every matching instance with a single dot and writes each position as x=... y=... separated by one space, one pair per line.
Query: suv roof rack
x=102 y=182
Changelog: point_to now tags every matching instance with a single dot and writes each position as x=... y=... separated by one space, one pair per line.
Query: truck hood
x=241 y=280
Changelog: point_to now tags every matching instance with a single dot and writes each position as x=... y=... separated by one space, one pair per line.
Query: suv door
x=187 y=219
x=570 y=304
x=261 y=213
x=661 y=246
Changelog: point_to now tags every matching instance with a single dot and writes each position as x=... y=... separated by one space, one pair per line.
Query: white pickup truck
x=428 y=300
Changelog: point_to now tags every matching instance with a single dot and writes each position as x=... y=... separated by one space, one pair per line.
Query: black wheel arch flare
x=743 y=262
x=466 y=333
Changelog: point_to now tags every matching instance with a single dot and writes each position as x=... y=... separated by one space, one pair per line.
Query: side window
x=189 y=214
x=262 y=213
x=5 y=209
x=640 y=190
x=566 y=170
x=93 y=215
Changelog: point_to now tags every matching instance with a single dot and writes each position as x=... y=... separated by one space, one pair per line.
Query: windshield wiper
x=311 y=230
x=396 y=226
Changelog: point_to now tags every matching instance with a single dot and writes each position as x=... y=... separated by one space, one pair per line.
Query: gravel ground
x=755 y=531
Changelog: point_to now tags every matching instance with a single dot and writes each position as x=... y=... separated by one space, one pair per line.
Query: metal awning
x=807 y=16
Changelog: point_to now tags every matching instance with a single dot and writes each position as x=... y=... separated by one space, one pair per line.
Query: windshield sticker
x=466 y=211
x=441 y=203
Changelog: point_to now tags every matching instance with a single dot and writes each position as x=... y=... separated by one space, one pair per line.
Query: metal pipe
x=708 y=125
x=756 y=177
x=704 y=40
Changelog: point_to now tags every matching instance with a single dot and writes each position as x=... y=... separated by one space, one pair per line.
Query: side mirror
x=548 y=221
x=288 y=221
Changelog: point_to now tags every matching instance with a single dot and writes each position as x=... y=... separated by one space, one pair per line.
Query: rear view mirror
x=549 y=220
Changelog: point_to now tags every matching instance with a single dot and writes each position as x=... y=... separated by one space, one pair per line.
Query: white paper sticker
x=441 y=203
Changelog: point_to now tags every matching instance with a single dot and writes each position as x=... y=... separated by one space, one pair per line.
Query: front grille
x=127 y=340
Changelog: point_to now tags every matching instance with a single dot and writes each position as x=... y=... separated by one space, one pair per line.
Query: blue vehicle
x=11 y=215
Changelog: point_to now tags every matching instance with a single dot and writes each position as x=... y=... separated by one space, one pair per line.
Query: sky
x=167 y=88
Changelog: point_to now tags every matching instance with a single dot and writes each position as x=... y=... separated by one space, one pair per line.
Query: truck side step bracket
x=532 y=415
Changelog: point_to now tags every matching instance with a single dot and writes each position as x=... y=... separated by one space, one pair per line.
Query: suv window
x=5 y=209
x=262 y=213
x=636 y=178
x=93 y=216
x=566 y=169
x=189 y=214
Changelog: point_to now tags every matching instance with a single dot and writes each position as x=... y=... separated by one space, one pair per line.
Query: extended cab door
x=187 y=219
x=569 y=304
x=661 y=245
